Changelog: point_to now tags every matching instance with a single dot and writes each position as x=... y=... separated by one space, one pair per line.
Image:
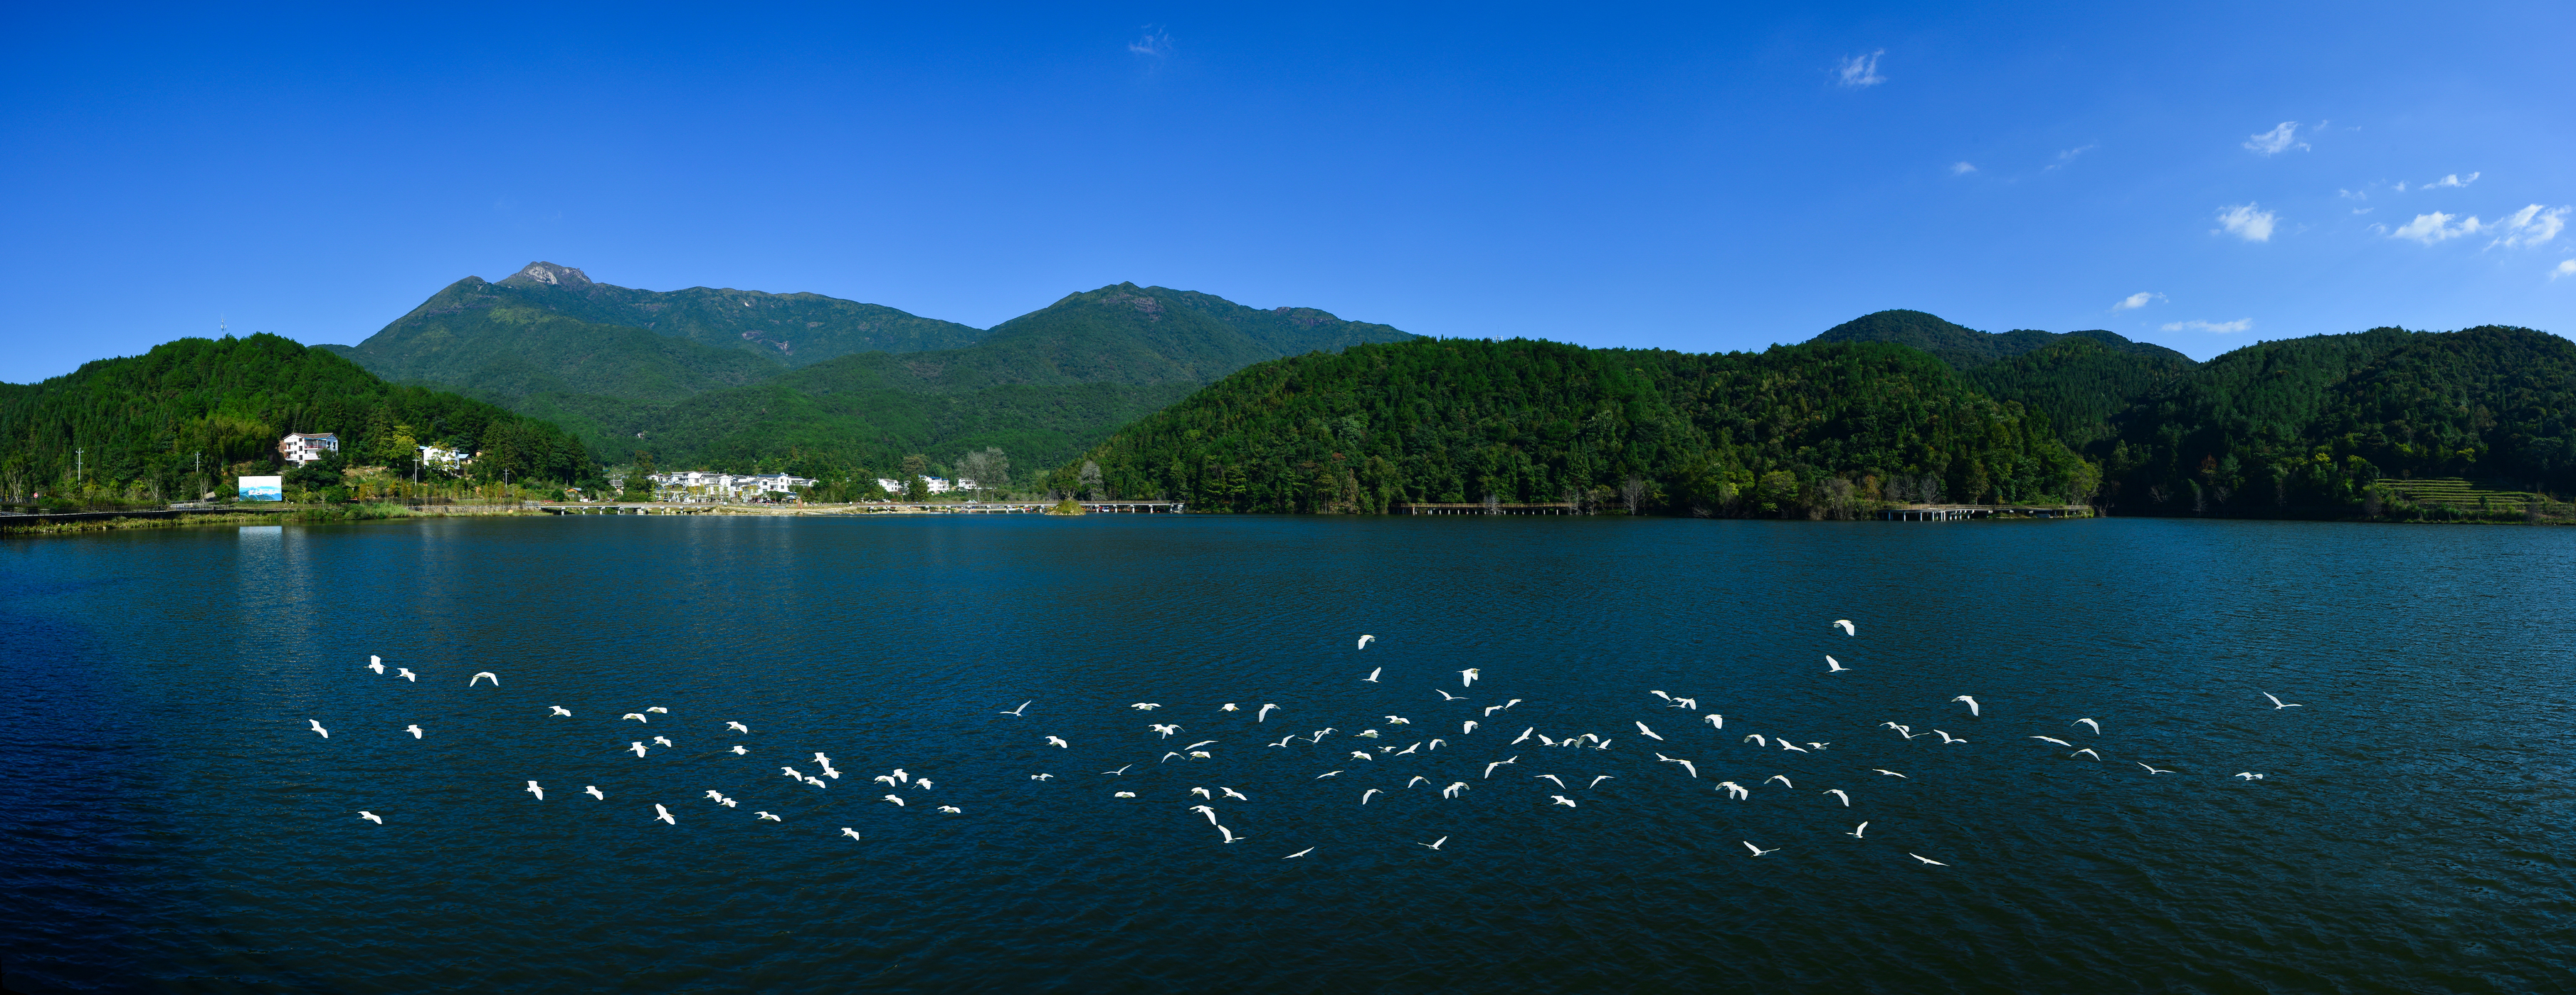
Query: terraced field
x=2459 y=493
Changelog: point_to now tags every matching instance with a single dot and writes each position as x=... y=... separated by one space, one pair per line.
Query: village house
x=300 y=448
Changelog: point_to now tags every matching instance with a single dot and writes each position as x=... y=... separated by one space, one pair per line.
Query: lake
x=172 y=822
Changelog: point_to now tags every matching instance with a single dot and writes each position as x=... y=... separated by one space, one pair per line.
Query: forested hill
x=1967 y=348
x=2311 y=422
x=143 y=420
x=1796 y=429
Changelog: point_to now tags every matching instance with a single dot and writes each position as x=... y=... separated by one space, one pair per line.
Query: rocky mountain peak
x=550 y=274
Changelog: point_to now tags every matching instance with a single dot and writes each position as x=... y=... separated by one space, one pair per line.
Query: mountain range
x=742 y=378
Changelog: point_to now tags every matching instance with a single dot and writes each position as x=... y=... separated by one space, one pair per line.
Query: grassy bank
x=307 y=516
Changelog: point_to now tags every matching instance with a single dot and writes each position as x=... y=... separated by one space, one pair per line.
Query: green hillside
x=2315 y=422
x=1795 y=430
x=1968 y=348
x=144 y=420
x=2079 y=382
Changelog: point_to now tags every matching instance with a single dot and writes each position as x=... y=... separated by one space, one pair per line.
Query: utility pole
x=80 y=466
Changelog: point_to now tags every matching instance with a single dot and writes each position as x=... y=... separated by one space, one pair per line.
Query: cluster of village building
x=300 y=448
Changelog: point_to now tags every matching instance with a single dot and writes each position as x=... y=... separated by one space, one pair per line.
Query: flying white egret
x=1228 y=707
x=1361 y=755
x=952 y=810
x=414 y=730
x=376 y=663
x=853 y=833
x=1757 y=740
x=558 y=710
x=656 y=709
x=1434 y=844
x=538 y=790
x=1200 y=754
x=496 y=678
x=2278 y=704
x=817 y=782
x=1689 y=703
x=737 y=727
x=1105 y=773
x=901 y=777
x=1857 y=830
x=1201 y=792
x=1489 y=768
x=2152 y=771
x=1058 y=742
x=1833 y=666
x=1925 y=859
x=1231 y=793
x=664 y=814
x=1691 y=767
x=1435 y=744
x=1469 y=728
x=1947 y=739
x=1565 y=801
x=1364 y=796
x=1299 y=853
x=1735 y=789
x=1757 y=851
x=1408 y=749
x=1525 y=734
x=714 y=795
x=1168 y=756
x=792 y=773
x=896 y=799
x=1453 y=789
x=1372 y=677
x=1650 y=734
x=1660 y=694
x=1206 y=811
x=2053 y=739
x=1888 y=772
x=739 y=750
x=593 y=791
x=1326 y=774
x=637 y=746
x=1787 y=745
x=770 y=817
x=1263 y=714
x=1972 y=705
x=664 y=740
x=1040 y=777
x=1016 y=712
x=1446 y=696
x=1782 y=778
x=1846 y=627
x=1417 y=779
x=1596 y=782
x=2097 y=727
x=1491 y=709
x=317 y=727
x=1364 y=641
x=2097 y=758
x=1905 y=731
x=637 y=716
x=1229 y=834
x=1145 y=706
x=1716 y=721
x=1560 y=782
x=1838 y=793
x=1167 y=729
x=924 y=783
x=407 y=675
x=2248 y=775
x=371 y=817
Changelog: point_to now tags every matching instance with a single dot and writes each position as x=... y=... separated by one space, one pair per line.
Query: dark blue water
x=171 y=822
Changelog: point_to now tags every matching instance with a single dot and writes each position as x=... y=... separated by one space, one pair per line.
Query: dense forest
x=182 y=418
x=2310 y=424
x=1797 y=430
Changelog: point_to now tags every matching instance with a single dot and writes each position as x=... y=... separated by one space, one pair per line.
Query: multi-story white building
x=701 y=485
x=444 y=459
x=300 y=448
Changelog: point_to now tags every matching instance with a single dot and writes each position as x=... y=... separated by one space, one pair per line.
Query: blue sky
x=1688 y=178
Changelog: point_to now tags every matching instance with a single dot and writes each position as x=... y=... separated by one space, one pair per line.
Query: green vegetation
x=2080 y=383
x=1804 y=430
x=145 y=423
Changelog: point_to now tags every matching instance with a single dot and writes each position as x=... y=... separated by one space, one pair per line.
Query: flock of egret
x=1379 y=755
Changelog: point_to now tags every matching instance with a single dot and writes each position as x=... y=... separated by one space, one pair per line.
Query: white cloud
x=2530 y=226
x=2282 y=138
x=2248 y=222
x=2566 y=267
x=2215 y=327
x=2452 y=180
x=2363 y=210
x=1962 y=168
x=2137 y=300
x=2437 y=227
x=1155 y=43
x=1860 y=70
x=2069 y=155
x=2353 y=194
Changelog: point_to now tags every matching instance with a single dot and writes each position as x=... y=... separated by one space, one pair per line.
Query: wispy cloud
x=2282 y=138
x=1155 y=43
x=2069 y=155
x=2363 y=194
x=1859 y=71
x=2530 y=226
x=2437 y=227
x=2247 y=221
x=2137 y=300
x=2452 y=180
x=1962 y=168
x=2566 y=267
x=2214 y=327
